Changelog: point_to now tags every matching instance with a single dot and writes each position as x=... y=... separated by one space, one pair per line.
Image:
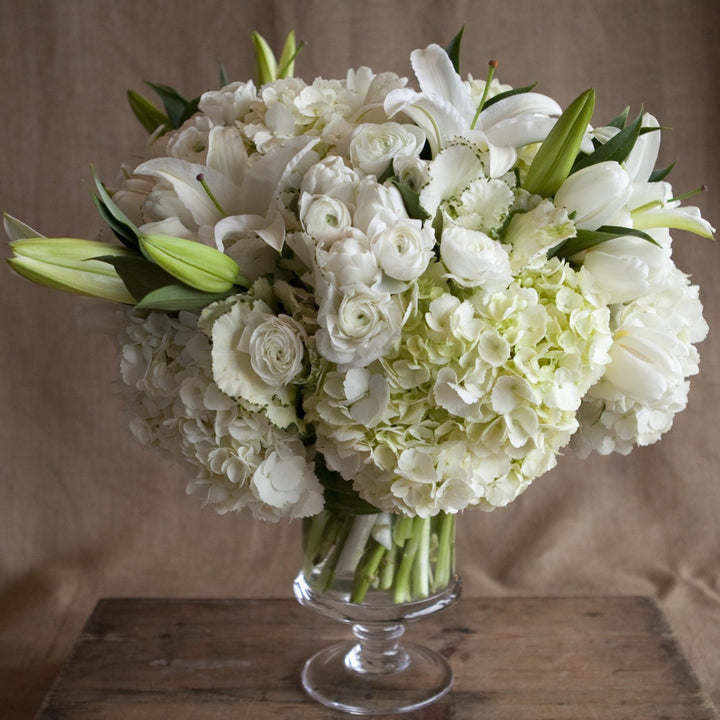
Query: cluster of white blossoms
x=242 y=459
x=409 y=315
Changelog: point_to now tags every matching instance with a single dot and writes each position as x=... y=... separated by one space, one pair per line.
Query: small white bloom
x=404 y=249
x=332 y=178
x=228 y=104
x=474 y=259
x=373 y=147
x=323 y=218
x=349 y=261
x=285 y=482
x=356 y=326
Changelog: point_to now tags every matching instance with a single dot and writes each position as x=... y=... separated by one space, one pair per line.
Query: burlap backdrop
x=85 y=512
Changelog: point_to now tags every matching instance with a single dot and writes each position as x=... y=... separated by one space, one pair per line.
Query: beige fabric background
x=86 y=513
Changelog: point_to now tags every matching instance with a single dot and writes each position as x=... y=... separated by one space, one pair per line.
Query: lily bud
x=267 y=68
x=595 y=194
x=556 y=156
x=70 y=264
x=197 y=265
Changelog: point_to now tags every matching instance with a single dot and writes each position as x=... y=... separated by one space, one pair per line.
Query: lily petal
x=183 y=176
x=437 y=77
x=227 y=153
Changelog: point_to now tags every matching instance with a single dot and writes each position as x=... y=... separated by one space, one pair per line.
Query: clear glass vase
x=377 y=572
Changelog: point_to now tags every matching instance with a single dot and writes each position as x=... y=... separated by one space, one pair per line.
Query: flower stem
x=446 y=535
x=366 y=573
x=403 y=592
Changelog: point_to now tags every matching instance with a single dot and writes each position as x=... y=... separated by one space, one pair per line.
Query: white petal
x=515 y=106
x=643 y=156
x=437 y=76
x=227 y=153
x=183 y=175
x=451 y=170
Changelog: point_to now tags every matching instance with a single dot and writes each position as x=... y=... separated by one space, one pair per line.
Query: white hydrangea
x=483 y=393
x=242 y=460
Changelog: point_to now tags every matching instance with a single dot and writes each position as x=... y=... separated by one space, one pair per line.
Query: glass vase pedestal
x=377 y=673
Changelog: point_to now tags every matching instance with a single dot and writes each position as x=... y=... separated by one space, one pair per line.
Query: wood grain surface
x=605 y=658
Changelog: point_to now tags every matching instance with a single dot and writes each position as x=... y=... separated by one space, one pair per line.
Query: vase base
x=327 y=678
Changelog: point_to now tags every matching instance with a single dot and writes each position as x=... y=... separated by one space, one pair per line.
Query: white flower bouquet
x=355 y=296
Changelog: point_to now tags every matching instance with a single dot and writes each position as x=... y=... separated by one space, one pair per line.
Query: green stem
x=403 y=592
x=443 y=568
x=421 y=566
x=387 y=574
x=366 y=573
x=327 y=574
x=313 y=535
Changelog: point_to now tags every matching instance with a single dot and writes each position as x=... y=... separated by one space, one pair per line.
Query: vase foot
x=328 y=678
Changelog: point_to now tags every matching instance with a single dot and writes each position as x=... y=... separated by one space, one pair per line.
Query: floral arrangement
x=358 y=294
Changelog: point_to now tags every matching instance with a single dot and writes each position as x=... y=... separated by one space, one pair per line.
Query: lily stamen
x=201 y=179
x=491 y=71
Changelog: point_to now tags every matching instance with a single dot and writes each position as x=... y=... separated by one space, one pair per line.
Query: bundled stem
x=409 y=558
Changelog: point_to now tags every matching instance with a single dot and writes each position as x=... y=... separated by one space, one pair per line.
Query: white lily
x=193 y=194
x=444 y=108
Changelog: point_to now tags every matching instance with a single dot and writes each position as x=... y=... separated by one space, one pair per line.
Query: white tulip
x=596 y=194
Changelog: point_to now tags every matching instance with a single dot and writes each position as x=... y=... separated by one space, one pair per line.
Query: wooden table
x=514 y=659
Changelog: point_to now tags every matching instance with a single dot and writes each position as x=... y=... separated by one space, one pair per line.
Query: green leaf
x=139 y=275
x=617 y=148
x=340 y=496
x=411 y=200
x=120 y=224
x=507 y=94
x=176 y=297
x=175 y=104
x=659 y=174
x=453 y=49
x=620 y=120
x=190 y=109
x=586 y=239
x=387 y=174
x=223 y=76
x=150 y=117
x=554 y=160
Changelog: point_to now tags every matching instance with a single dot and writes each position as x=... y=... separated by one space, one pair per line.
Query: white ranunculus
x=285 y=482
x=332 y=178
x=357 y=326
x=251 y=370
x=374 y=201
x=373 y=146
x=323 y=218
x=276 y=349
x=596 y=194
x=349 y=261
x=475 y=259
x=411 y=171
x=404 y=249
